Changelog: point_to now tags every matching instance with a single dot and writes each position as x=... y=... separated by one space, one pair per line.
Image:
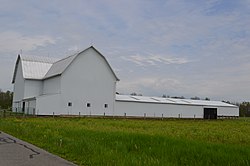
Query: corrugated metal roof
x=36 y=67
x=146 y=99
x=59 y=66
x=38 y=59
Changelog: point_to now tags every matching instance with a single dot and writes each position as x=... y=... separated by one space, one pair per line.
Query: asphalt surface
x=15 y=152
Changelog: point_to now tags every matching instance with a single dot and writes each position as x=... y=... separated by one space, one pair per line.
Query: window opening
x=105 y=105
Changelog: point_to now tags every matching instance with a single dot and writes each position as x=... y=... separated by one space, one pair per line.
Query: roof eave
x=15 y=69
x=117 y=79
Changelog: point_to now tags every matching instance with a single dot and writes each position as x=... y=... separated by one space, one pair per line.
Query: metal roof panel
x=144 y=99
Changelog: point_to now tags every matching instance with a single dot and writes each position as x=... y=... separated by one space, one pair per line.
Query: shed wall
x=228 y=111
x=157 y=110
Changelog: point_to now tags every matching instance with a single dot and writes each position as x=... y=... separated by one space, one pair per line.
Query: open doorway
x=23 y=107
x=210 y=113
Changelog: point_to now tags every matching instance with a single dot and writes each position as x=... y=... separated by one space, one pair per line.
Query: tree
x=5 y=99
x=178 y=97
x=133 y=94
x=245 y=109
x=195 y=98
x=136 y=94
x=207 y=99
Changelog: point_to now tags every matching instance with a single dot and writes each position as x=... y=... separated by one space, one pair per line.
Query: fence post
x=125 y=115
x=144 y=115
x=161 y=116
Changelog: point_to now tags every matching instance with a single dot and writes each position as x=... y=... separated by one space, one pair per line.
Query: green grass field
x=89 y=141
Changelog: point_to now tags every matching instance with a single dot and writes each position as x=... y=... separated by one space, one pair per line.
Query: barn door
x=210 y=113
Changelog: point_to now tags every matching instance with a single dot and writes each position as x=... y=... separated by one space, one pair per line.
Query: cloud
x=198 y=47
x=154 y=60
x=11 y=41
x=147 y=85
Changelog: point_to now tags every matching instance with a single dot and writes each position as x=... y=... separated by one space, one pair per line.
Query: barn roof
x=39 y=68
x=161 y=100
x=60 y=66
x=33 y=67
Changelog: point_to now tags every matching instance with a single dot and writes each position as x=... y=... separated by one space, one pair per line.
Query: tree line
x=6 y=99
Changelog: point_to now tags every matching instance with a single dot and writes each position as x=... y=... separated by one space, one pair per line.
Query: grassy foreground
x=87 y=141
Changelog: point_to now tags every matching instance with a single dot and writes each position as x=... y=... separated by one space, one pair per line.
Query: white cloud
x=11 y=41
x=159 y=85
x=154 y=60
x=73 y=48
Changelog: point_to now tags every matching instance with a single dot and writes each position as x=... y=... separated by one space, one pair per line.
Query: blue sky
x=173 y=47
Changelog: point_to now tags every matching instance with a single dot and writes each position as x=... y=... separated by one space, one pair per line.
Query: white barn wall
x=19 y=84
x=32 y=88
x=49 y=104
x=88 y=80
x=30 y=106
x=52 y=85
x=156 y=110
x=228 y=111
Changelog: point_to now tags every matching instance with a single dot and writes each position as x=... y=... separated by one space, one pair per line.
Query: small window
x=105 y=105
x=88 y=104
x=69 y=104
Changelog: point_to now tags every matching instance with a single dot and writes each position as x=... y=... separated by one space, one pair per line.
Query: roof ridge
x=66 y=57
x=43 y=59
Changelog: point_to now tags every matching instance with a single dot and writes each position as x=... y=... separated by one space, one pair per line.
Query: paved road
x=15 y=152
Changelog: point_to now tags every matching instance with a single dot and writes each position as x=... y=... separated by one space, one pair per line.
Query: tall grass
x=88 y=141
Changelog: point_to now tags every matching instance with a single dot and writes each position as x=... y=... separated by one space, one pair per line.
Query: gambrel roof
x=40 y=68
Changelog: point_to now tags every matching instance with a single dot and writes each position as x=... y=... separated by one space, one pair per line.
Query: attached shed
x=142 y=106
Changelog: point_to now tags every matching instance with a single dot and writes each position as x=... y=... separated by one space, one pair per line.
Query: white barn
x=85 y=84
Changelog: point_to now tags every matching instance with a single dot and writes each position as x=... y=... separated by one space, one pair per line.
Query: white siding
x=32 y=88
x=52 y=85
x=168 y=110
x=19 y=84
x=49 y=104
x=228 y=111
x=157 y=110
x=30 y=106
x=88 y=80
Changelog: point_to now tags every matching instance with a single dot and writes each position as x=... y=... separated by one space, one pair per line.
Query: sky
x=172 y=47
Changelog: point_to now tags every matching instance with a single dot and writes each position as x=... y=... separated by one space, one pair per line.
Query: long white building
x=85 y=84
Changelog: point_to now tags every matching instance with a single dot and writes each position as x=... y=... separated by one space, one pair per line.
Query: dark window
x=105 y=105
x=69 y=104
x=88 y=104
